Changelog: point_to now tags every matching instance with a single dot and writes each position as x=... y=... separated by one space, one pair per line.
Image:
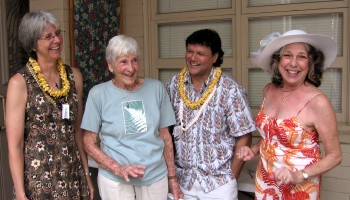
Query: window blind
x=172 y=37
x=172 y=6
x=330 y=24
x=274 y=2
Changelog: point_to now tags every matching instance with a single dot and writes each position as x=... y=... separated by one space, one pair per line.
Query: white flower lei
x=195 y=119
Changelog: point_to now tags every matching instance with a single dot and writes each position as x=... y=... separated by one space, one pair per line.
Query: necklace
x=199 y=102
x=44 y=86
x=195 y=119
x=288 y=91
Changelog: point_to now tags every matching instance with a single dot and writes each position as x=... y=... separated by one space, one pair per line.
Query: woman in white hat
x=294 y=117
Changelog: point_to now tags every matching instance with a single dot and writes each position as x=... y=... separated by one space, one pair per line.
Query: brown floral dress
x=52 y=166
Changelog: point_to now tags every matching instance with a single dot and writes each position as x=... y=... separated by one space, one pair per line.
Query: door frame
x=6 y=184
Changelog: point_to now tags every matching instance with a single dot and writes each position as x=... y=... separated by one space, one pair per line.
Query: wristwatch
x=305 y=175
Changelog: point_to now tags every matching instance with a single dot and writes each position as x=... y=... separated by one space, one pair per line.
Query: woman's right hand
x=245 y=153
x=21 y=196
x=135 y=171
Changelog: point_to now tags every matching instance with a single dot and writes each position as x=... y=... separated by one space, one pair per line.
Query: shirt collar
x=206 y=83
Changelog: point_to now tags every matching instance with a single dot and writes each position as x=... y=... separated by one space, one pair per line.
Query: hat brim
x=323 y=43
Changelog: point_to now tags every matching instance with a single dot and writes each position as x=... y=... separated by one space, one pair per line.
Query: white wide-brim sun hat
x=275 y=41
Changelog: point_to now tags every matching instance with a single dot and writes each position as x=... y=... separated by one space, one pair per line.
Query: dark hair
x=209 y=38
x=314 y=75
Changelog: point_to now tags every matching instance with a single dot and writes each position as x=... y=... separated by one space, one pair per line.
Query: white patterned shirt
x=204 y=152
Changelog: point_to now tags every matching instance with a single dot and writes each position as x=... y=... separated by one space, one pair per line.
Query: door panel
x=6 y=186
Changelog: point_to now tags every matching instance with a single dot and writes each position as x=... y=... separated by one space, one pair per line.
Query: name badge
x=65 y=111
x=177 y=131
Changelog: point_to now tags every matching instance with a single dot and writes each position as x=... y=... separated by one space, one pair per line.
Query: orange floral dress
x=285 y=143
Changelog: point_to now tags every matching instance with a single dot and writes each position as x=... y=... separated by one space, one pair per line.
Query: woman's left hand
x=174 y=188
x=135 y=171
x=287 y=176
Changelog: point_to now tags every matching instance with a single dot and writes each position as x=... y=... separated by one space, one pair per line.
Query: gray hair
x=119 y=46
x=31 y=29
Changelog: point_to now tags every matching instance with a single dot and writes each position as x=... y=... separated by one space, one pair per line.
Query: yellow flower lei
x=199 y=102
x=40 y=79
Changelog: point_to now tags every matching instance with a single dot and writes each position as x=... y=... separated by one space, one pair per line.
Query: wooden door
x=6 y=186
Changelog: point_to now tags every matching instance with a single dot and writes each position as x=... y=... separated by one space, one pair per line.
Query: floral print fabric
x=52 y=166
x=285 y=143
x=95 y=23
x=204 y=152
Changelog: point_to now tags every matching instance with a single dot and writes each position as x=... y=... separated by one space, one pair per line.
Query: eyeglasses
x=50 y=36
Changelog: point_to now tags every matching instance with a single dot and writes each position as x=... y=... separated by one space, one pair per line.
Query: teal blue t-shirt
x=129 y=123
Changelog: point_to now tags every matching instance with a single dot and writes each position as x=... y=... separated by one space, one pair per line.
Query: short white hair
x=121 y=45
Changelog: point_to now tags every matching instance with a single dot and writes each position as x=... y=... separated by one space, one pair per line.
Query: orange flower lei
x=40 y=79
x=199 y=102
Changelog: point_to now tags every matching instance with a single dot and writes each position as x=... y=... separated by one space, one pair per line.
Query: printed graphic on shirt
x=134 y=117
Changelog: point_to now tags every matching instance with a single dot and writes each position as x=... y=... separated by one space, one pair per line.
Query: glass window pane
x=172 y=6
x=166 y=74
x=331 y=86
x=257 y=79
x=171 y=38
x=330 y=24
x=274 y=2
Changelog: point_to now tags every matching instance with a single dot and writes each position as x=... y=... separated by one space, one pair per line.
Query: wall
x=335 y=183
x=133 y=26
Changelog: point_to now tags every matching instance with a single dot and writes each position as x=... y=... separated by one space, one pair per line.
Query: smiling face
x=294 y=64
x=125 y=70
x=199 y=60
x=49 y=46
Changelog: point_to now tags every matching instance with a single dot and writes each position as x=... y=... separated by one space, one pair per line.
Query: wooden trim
x=121 y=28
x=71 y=33
x=2 y=125
x=293 y=6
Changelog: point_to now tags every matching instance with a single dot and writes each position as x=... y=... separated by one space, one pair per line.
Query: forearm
x=168 y=151
x=16 y=163
x=83 y=155
x=325 y=164
x=93 y=150
x=236 y=163
x=256 y=147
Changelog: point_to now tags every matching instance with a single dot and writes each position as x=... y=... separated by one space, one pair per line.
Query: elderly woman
x=294 y=117
x=44 y=110
x=130 y=115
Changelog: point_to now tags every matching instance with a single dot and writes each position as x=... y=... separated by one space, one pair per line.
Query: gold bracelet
x=171 y=177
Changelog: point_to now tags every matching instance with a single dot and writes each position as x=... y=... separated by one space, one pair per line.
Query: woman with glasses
x=44 y=111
